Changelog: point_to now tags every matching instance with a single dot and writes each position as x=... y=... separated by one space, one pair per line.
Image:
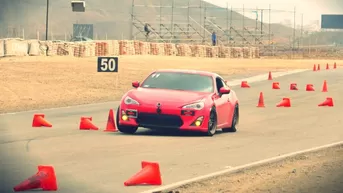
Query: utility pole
x=47 y=20
x=261 y=22
x=294 y=27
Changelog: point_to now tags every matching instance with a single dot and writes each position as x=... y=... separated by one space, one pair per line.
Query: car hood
x=169 y=97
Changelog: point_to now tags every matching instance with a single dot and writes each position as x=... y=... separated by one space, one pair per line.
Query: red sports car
x=179 y=99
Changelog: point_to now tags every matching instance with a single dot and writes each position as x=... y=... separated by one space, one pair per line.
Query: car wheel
x=235 y=121
x=124 y=129
x=212 y=123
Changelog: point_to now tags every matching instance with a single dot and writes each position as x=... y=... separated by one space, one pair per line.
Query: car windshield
x=179 y=81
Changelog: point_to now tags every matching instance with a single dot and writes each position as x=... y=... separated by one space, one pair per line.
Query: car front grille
x=159 y=120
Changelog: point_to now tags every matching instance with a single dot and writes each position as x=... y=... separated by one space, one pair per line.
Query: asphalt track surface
x=96 y=161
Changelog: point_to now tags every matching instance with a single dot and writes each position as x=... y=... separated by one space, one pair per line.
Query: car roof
x=204 y=73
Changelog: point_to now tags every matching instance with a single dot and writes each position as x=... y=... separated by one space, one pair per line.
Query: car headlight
x=130 y=101
x=197 y=106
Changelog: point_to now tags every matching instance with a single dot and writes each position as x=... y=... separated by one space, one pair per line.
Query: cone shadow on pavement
x=111 y=123
x=86 y=124
x=39 y=121
x=45 y=179
x=149 y=175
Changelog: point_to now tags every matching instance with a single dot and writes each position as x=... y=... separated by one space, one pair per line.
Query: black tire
x=235 y=121
x=124 y=129
x=212 y=123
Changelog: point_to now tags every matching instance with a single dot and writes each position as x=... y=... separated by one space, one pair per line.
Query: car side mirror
x=224 y=90
x=135 y=84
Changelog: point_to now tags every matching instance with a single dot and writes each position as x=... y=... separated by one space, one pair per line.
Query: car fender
x=233 y=98
x=233 y=101
x=209 y=104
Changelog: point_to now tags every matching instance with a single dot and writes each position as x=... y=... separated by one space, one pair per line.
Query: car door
x=222 y=103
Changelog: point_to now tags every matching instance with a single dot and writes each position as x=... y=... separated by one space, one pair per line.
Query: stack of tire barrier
x=84 y=49
x=126 y=47
x=90 y=50
x=144 y=48
x=101 y=49
x=19 y=47
x=198 y=50
x=113 y=47
x=212 y=51
x=224 y=52
x=2 y=48
x=51 y=48
x=252 y=52
x=157 y=49
x=153 y=49
x=246 y=52
x=161 y=48
x=170 y=49
x=136 y=46
x=183 y=50
x=237 y=52
x=257 y=52
x=79 y=50
x=68 y=49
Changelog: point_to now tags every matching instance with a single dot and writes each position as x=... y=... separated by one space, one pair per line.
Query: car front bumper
x=168 y=118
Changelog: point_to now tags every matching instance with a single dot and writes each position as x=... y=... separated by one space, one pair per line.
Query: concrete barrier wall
x=19 y=47
x=15 y=47
x=2 y=48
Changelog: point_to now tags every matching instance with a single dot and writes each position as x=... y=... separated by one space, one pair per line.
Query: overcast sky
x=312 y=9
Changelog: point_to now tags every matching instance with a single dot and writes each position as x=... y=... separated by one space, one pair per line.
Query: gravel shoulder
x=320 y=172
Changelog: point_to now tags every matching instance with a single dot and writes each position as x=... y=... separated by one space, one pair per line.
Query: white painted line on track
x=262 y=77
x=234 y=82
x=246 y=166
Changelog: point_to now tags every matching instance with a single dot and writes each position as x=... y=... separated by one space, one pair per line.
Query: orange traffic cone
x=245 y=84
x=314 y=67
x=318 y=67
x=111 y=123
x=149 y=174
x=327 y=66
x=86 y=124
x=325 y=87
x=286 y=102
x=261 y=100
x=39 y=121
x=276 y=85
x=309 y=87
x=270 y=76
x=328 y=102
x=334 y=66
x=45 y=179
x=293 y=86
